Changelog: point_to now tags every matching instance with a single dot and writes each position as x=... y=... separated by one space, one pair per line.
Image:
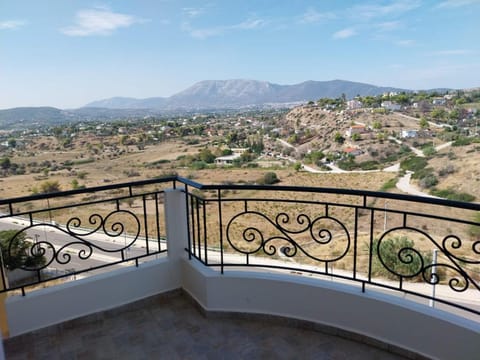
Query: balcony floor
x=171 y=326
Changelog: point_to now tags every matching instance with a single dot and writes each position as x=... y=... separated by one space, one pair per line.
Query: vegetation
x=16 y=251
x=390 y=184
x=399 y=257
x=452 y=194
x=269 y=178
x=474 y=230
x=413 y=163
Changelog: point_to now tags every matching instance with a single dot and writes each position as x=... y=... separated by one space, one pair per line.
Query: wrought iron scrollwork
x=84 y=244
x=450 y=266
x=286 y=236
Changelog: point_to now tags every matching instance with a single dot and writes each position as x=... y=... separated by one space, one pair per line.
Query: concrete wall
x=389 y=319
x=71 y=300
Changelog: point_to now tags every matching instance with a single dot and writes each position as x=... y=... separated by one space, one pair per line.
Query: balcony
x=394 y=272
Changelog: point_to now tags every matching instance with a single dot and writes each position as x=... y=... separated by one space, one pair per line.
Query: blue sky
x=66 y=53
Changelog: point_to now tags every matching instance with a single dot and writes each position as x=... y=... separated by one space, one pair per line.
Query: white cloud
x=313 y=16
x=203 y=33
x=406 y=42
x=393 y=8
x=11 y=24
x=451 y=52
x=192 y=12
x=249 y=24
x=344 y=33
x=396 y=66
x=457 y=3
x=99 y=21
x=388 y=26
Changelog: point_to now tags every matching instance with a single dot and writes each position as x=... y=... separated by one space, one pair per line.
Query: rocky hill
x=221 y=94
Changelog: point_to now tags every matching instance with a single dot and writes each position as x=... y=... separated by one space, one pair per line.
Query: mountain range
x=238 y=93
x=205 y=95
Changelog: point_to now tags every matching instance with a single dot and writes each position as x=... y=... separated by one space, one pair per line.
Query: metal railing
x=80 y=232
x=426 y=249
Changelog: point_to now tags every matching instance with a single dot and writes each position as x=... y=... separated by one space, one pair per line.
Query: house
x=409 y=133
x=355 y=129
x=439 y=101
x=354 y=104
x=353 y=151
x=390 y=105
x=226 y=160
x=422 y=105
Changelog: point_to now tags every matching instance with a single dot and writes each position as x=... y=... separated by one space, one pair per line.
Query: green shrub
x=428 y=181
x=451 y=194
x=369 y=165
x=414 y=163
x=398 y=257
x=269 y=178
x=390 y=184
x=429 y=151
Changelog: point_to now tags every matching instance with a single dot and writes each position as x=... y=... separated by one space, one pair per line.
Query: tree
x=454 y=114
x=356 y=137
x=438 y=114
x=423 y=123
x=49 y=187
x=17 y=251
x=269 y=178
x=206 y=156
x=75 y=184
x=339 y=138
x=377 y=125
x=397 y=257
x=5 y=163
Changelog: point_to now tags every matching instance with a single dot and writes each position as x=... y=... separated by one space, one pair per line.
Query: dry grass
x=112 y=170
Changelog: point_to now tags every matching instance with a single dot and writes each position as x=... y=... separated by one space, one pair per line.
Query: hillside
x=27 y=116
x=451 y=171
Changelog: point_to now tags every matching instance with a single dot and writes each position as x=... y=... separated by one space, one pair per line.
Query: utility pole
x=434 y=272
x=385 y=217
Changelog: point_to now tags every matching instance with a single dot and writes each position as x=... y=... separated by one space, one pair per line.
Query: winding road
x=403 y=183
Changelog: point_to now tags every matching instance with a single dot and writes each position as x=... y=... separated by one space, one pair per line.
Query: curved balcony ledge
x=372 y=317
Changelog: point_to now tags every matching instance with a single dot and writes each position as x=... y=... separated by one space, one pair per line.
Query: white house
x=409 y=133
x=354 y=104
x=439 y=101
x=390 y=105
x=227 y=159
x=355 y=129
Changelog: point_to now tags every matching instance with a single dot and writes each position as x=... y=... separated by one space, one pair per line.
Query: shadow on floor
x=171 y=326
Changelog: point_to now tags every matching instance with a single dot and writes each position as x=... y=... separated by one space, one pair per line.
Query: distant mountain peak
x=237 y=93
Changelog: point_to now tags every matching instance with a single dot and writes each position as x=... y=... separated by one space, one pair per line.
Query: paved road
x=287 y=144
x=418 y=120
x=58 y=239
x=404 y=185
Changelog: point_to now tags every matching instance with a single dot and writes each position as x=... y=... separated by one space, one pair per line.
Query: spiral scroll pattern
x=250 y=232
x=410 y=262
x=79 y=242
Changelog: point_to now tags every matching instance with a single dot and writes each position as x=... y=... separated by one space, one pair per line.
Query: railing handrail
x=88 y=190
x=200 y=186
x=340 y=191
